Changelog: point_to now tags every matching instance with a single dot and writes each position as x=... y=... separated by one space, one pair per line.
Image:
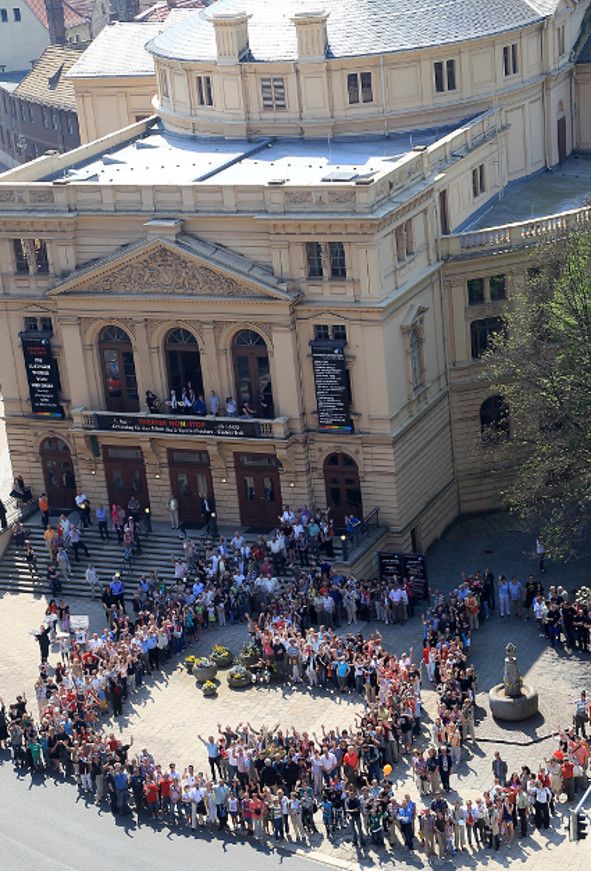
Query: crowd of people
x=271 y=783
x=192 y=402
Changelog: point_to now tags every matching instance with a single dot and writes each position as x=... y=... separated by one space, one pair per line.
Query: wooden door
x=343 y=489
x=561 y=132
x=125 y=474
x=190 y=481
x=58 y=473
x=259 y=490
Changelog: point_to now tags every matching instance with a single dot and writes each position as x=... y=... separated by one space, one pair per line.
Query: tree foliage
x=541 y=365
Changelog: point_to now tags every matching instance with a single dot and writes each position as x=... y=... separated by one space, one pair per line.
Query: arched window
x=494 y=418
x=183 y=362
x=253 y=374
x=343 y=489
x=118 y=369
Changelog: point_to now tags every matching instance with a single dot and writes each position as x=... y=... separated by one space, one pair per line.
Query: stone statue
x=511 y=677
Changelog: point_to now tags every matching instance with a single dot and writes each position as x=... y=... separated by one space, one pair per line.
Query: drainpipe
x=383 y=87
x=545 y=100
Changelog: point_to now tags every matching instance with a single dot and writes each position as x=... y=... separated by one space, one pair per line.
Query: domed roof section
x=355 y=27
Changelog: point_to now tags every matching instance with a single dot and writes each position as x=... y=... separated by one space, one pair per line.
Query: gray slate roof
x=355 y=27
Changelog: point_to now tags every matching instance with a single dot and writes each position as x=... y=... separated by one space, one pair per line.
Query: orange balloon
x=387 y=770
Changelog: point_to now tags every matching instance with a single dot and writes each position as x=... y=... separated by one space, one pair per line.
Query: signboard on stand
x=413 y=566
x=332 y=390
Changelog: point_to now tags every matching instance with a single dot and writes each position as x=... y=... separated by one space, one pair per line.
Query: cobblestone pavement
x=170 y=711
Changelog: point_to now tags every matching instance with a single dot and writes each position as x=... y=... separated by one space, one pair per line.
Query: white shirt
x=81 y=499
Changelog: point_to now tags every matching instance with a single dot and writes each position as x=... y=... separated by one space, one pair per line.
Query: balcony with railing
x=206 y=426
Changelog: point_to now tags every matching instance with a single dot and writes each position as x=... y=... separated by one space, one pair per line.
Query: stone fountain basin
x=513 y=709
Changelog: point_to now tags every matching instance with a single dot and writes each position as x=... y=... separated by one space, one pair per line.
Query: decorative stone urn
x=513 y=700
x=201 y=673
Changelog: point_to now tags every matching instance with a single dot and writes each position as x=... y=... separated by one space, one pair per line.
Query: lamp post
x=214 y=525
x=345 y=547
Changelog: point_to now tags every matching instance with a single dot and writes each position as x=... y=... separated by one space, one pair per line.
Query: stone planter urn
x=222 y=660
x=239 y=679
x=208 y=692
x=201 y=673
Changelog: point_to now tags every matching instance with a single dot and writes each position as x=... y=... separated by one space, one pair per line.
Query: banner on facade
x=332 y=390
x=405 y=565
x=164 y=425
x=42 y=375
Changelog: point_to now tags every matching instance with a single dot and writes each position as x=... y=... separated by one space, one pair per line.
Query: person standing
x=540 y=553
x=522 y=805
x=214 y=403
x=92 y=579
x=3 y=520
x=77 y=543
x=83 y=506
x=173 y=510
x=43 y=640
x=499 y=769
x=581 y=714
x=43 y=503
x=102 y=517
x=503 y=596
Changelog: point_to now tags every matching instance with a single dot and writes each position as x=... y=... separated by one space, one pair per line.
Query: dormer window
x=204 y=91
x=359 y=88
x=273 y=93
x=164 y=83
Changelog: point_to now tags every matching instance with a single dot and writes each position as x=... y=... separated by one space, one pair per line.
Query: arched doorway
x=183 y=362
x=253 y=374
x=58 y=473
x=118 y=369
x=343 y=490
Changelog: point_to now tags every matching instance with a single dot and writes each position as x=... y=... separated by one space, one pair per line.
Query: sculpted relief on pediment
x=164 y=272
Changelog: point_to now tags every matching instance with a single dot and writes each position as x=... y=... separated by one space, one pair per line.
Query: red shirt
x=165 y=787
x=567 y=769
x=151 y=792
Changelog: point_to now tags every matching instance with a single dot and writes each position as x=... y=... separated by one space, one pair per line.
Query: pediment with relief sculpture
x=163 y=267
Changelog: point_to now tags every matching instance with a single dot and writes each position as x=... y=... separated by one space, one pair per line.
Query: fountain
x=513 y=699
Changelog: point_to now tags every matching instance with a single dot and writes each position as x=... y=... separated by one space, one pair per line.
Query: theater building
x=321 y=221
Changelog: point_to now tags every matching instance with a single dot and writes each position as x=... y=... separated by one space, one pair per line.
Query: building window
x=34 y=324
x=510 y=60
x=481 y=332
x=24 y=112
x=44 y=117
x=3 y=15
x=253 y=372
x=445 y=76
x=31 y=113
x=359 y=88
x=326 y=332
x=31 y=325
x=17 y=14
x=403 y=241
x=118 y=367
x=54 y=121
x=561 y=39
x=338 y=266
x=314 y=259
x=475 y=291
x=478 y=181
x=41 y=261
x=324 y=260
x=416 y=366
x=321 y=332
x=204 y=91
x=498 y=287
x=164 y=83
x=273 y=92
x=71 y=122
x=494 y=419
x=20 y=255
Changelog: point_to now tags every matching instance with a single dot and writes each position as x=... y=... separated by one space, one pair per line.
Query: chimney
x=231 y=36
x=55 y=21
x=312 y=35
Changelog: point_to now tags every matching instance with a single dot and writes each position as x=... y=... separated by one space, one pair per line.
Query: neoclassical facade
x=319 y=222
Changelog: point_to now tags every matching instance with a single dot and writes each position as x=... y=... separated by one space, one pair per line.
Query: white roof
x=355 y=27
x=119 y=49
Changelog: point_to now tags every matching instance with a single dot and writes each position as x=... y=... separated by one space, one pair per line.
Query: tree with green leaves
x=541 y=365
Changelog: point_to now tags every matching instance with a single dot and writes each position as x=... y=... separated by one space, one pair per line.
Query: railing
x=518 y=235
x=181 y=425
x=352 y=541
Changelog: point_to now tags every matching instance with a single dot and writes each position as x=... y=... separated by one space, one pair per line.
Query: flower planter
x=248 y=659
x=208 y=693
x=223 y=660
x=237 y=683
x=202 y=673
x=189 y=667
